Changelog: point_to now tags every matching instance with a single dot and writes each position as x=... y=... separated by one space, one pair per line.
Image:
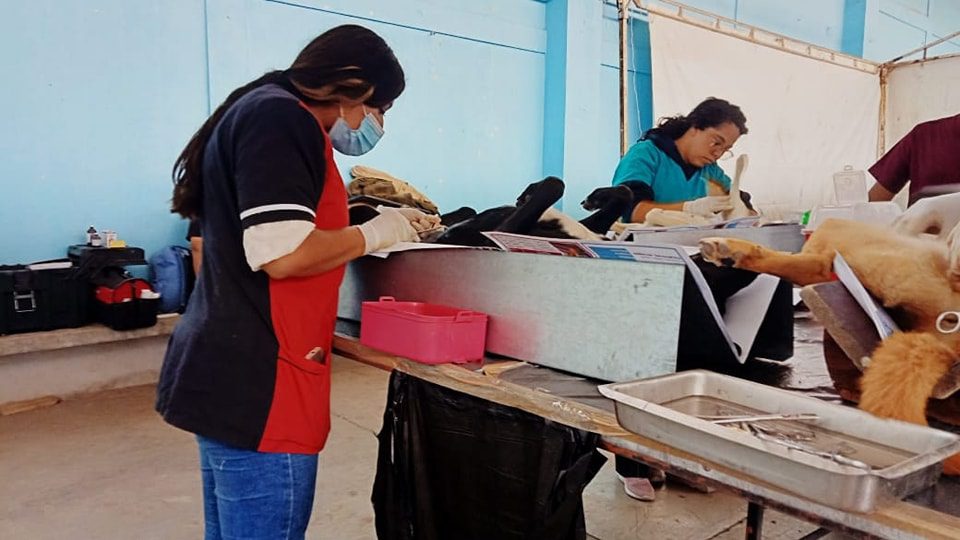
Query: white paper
x=635 y=252
x=521 y=243
x=745 y=311
x=881 y=319
x=414 y=246
x=707 y=294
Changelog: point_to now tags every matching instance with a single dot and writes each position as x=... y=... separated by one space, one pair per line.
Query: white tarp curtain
x=807 y=118
x=919 y=92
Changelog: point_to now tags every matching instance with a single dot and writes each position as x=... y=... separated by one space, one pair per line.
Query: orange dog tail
x=903 y=372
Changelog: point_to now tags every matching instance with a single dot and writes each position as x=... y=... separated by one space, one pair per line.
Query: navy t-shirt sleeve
x=279 y=160
x=193 y=231
x=893 y=169
x=636 y=171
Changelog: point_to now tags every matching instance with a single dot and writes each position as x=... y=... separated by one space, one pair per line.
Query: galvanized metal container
x=903 y=458
x=609 y=320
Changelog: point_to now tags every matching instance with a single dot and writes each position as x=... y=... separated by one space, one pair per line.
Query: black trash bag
x=453 y=466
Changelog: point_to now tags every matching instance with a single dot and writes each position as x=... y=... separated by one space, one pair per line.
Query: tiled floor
x=105 y=466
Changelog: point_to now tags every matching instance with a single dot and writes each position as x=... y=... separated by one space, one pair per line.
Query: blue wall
x=101 y=95
x=469 y=125
x=893 y=27
x=99 y=98
x=877 y=30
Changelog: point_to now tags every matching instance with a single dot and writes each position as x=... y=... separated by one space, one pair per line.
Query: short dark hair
x=710 y=112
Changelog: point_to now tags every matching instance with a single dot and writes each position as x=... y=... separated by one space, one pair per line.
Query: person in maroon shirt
x=927 y=156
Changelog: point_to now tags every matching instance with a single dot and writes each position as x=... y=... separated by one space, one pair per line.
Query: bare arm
x=320 y=252
x=196 y=253
x=640 y=210
x=880 y=193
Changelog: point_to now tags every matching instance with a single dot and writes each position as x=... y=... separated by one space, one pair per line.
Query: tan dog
x=909 y=274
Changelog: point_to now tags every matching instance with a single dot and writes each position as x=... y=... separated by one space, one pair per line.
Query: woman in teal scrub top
x=670 y=168
x=671 y=165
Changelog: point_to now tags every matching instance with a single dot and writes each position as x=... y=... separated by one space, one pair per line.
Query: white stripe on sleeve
x=276 y=207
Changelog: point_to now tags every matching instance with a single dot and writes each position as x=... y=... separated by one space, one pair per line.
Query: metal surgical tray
x=880 y=458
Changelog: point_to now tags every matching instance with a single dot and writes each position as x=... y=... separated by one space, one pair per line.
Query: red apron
x=304 y=312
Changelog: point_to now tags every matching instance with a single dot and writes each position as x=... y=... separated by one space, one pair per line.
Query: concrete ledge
x=93 y=334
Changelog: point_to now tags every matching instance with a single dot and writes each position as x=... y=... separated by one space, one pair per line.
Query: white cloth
x=807 y=118
x=268 y=242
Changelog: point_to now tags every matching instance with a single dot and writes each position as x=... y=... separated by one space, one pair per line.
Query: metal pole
x=925 y=47
x=754 y=521
x=770 y=39
x=622 y=7
x=882 y=131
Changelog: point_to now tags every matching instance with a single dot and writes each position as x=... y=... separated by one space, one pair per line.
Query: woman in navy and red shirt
x=260 y=180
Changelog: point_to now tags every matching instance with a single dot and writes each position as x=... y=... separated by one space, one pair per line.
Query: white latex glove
x=391 y=226
x=936 y=215
x=953 y=253
x=939 y=216
x=420 y=221
x=707 y=206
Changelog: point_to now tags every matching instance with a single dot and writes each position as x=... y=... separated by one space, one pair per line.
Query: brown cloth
x=375 y=183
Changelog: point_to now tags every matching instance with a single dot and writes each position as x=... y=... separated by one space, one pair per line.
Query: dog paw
x=720 y=252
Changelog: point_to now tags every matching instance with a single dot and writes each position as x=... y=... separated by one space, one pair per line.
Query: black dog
x=533 y=215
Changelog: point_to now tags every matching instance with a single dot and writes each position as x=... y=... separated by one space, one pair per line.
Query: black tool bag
x=48 y=299
x=456 y=466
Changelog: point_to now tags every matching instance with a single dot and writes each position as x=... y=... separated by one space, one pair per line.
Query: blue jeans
x=255 y=495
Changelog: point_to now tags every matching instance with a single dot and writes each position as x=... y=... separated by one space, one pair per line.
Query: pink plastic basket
x=428 y=333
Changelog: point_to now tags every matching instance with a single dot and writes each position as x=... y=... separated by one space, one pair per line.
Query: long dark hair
x=711 y=112
x=345 y=62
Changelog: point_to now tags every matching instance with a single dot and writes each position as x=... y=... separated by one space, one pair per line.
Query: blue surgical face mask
x=355 y=142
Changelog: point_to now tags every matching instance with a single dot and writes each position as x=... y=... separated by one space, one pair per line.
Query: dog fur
x=913 y=277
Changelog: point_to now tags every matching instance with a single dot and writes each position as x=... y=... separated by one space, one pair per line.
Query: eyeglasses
x=718 y=145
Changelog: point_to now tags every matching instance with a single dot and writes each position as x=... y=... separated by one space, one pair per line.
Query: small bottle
x=90 y=232
x=95 y=240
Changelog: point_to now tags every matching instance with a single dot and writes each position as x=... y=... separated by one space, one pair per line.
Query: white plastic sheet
x=807 y=118
x=921 y=91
